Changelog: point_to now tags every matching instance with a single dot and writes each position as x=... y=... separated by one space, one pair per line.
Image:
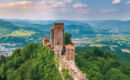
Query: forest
x=99 y=65
x=33 y=62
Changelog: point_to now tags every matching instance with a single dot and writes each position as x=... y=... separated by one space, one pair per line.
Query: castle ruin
x=65 y=53
x=57 y=42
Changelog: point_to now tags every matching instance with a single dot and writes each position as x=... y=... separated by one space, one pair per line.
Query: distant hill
x=6 y=27
x=112 y=26
x=78 y=29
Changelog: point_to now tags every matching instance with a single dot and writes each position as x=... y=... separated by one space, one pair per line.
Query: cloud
x=84 y=11
x=108 y=10
x=45 y=9
x=58 y=9
x=128 y=2
x=68 y=1
x=64 y=10
x=13 y=4
x=79 y=5
x=116 y=1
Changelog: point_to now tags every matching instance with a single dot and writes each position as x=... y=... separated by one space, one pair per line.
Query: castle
x=66 y=53
x=56 y=42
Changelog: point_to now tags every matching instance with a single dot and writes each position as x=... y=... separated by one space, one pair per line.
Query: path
x=74 y=70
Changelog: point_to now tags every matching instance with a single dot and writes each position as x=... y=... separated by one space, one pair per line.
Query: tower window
x=58 y=43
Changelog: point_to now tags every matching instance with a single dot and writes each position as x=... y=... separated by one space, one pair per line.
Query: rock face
x=65 y=53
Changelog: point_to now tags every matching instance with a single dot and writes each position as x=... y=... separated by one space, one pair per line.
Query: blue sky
x=65 y=9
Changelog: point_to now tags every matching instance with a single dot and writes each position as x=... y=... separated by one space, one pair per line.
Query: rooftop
x=52 y=28
x=58 y=23
x=45 y=39
x=70 y=46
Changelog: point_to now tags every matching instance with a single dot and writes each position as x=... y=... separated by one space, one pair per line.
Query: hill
x=112 y=26
x=6 y=27
x=33 y=62
x=39 y=28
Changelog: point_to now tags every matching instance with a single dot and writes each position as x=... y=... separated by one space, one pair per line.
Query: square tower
x=58 y=38
x=70 y=52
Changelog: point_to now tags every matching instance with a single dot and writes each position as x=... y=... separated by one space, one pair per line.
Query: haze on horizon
x=65 y=9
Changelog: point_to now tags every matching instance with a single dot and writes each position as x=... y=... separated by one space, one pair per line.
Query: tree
x=33 y=62
x=98 y=52
x=67 y=38
x=2 y=71
x=107 y=55
x=99 y=65
x=2 y=59
x=115 y=74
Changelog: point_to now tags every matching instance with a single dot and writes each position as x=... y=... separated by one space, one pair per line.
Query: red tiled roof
x=70 y=46
x=52 y=28
x=45 y=39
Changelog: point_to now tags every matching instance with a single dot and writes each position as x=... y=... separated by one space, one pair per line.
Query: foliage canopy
x=33 y=62
x=100 y=65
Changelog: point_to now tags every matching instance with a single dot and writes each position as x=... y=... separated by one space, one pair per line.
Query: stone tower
x=52 y=38
x=57 y=42
x=70 y=52
x=45 y=41
x=58 y=38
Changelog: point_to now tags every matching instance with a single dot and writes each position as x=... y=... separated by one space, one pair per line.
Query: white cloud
x=128 y=2
x=79 y=5
x=68 y=1
x=108 y=10
x=84 y=11
x=116 y=1
x=18 y=4
x=45 y=9
x=64 y=10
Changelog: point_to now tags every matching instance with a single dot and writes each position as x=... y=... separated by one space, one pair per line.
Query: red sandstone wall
x=58 y=34
x=70 y=53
